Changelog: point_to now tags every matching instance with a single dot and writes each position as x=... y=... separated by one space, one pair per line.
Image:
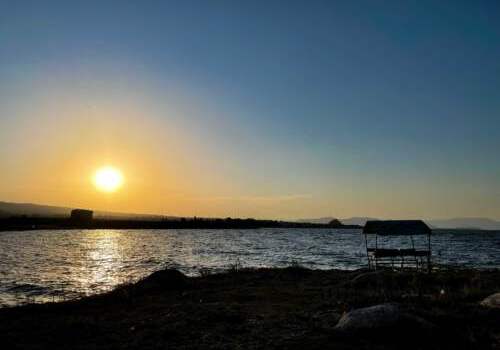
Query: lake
x=41 y=266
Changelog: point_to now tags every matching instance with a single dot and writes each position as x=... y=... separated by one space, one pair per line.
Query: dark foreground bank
x=292 y=308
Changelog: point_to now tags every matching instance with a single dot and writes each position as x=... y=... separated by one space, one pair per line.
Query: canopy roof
x=396 y=227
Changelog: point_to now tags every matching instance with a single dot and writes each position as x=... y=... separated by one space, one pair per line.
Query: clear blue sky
x=303 y=108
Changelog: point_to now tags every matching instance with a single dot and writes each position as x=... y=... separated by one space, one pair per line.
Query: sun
x=108 y=179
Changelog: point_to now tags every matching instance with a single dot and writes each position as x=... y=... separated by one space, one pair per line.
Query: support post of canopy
x=429 y=268
x=367 y=254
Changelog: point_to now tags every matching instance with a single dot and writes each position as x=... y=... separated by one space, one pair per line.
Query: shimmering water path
x=38 y=266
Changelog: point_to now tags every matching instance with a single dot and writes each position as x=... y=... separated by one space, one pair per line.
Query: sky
x=267 y=109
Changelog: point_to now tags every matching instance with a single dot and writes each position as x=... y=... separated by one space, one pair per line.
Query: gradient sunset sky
x=269 y=109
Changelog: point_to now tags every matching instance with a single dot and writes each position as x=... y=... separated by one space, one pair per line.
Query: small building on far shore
x=81 y=215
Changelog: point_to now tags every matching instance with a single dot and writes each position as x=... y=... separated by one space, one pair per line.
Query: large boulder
x=162 y=280
x=383 y=315
x=493 y=301
x=389 y=316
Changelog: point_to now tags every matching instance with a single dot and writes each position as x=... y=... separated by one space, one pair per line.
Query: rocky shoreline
x=289 y=308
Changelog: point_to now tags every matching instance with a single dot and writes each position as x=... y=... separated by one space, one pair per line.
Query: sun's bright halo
x=108 y=179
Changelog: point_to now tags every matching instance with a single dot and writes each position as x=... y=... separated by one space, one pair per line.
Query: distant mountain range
x=8 y=209
x=455 y=223
x=469 y=223
x=324 y=220
x=357 y=220
x=29 y=209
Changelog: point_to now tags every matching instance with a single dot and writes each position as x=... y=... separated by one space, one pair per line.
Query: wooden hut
x=379 y=255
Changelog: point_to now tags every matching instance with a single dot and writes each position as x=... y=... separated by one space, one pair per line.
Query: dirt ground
x=291 y=308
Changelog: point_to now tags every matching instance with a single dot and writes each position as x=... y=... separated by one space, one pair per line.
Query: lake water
x=40 y=266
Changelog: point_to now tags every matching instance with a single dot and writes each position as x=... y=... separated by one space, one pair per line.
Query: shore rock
x=493 y=301
x=167 y=279
x=380 y=317
x=372 y=317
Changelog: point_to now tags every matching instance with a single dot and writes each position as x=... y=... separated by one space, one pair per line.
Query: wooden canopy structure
x=379 y=256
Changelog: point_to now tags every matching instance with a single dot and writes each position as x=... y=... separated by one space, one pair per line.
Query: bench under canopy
x=411 y=257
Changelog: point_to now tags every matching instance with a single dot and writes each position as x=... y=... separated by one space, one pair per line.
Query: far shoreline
x=26 y=223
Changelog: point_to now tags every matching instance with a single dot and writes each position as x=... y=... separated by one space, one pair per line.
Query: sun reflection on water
x=103 y=258
x=40 y=266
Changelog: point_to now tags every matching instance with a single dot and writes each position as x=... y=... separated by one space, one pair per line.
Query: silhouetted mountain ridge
x=454 y=223
x=468 y=223
x=8 y=209
x=349 y=221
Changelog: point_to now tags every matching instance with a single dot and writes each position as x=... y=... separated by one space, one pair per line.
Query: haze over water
x=43 y=266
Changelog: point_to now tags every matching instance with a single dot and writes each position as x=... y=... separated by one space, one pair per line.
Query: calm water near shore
x=39 y=266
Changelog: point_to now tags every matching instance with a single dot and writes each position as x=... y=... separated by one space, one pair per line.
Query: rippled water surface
x=38 y=266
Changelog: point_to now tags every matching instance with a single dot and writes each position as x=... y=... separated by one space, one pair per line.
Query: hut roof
x=396 y=227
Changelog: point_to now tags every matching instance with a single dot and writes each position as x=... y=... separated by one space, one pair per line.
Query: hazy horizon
x=484 y=223
x=253 y=109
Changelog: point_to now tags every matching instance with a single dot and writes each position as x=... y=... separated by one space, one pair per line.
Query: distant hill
x=30 y=209
x=357 y=220
x=460 y=223
x=4 y=214
x=323 y=220
x=350 y=221
x=468 y=223
x=8 y=209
